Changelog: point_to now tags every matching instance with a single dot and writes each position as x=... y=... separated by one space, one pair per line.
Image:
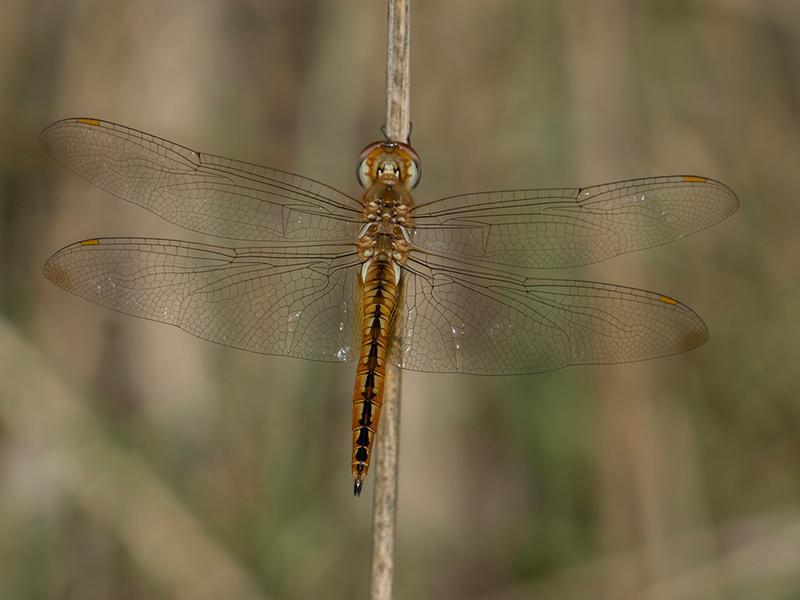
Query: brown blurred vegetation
x=139 y=462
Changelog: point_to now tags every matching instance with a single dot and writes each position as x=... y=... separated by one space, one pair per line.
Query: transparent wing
x=573 y=226
x=292 y=301
x=457 y=319
x=202 y=192
x=302 y=301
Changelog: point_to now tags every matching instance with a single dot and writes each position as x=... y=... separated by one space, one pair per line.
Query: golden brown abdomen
x=379 y=298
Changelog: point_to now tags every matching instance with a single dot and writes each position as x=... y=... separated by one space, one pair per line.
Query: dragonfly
x=445 y=286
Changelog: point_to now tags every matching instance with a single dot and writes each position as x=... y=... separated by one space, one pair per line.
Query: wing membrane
x=300 y=298
x=297 y=301
x=302 y=301
x=491 y=323
x=202 y=192
x=554 y=228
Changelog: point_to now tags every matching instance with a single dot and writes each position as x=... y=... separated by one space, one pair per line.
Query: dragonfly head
x=390 y=163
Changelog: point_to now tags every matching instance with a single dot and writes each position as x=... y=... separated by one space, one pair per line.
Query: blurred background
x=137 y=461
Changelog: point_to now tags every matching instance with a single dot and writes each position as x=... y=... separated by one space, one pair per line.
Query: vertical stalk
x=384 y=515
x=398 y=128
x=398 y=78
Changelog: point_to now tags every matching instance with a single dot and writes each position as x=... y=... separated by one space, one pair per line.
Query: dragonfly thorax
x=384 y=243
x=387 y=213
x=387 y=204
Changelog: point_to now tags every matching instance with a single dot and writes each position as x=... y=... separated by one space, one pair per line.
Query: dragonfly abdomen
x=379 y=293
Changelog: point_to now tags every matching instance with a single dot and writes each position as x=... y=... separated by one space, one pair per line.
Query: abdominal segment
x=379 y=298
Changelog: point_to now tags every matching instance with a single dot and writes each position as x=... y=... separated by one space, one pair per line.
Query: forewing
x=297 y=302
x=567 y=227
x=455 y=319
x=202 y=192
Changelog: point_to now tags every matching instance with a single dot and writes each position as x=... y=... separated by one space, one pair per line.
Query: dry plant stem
x=384 y=518
x=384 y=515
x=398 y=79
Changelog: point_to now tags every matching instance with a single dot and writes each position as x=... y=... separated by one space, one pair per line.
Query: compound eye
x=363 y=172
x=413 y=175
x=366 y=164
x=412 y=164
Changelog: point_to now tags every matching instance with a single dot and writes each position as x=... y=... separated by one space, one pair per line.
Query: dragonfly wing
x=457 y=319
x=554 y=228
x=202 y=192
x=297 y=302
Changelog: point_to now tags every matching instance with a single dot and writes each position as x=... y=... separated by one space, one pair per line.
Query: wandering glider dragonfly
x=442 y=286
